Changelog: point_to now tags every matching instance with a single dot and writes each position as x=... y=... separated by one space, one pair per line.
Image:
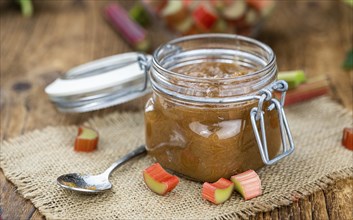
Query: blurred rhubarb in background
x=130 y=30
x=186 y=17
x=303 y=89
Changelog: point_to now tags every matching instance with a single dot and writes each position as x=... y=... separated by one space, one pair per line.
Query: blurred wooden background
x=309 y=35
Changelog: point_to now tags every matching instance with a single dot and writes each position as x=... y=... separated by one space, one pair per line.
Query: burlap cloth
x=33 y=162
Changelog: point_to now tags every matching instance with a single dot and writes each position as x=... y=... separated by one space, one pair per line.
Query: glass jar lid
x=101 y=83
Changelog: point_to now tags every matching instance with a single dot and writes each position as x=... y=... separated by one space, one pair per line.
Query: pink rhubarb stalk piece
x=313 y=88
x=86 y=140
x=217 y=192
x=131 y=31
x=347 y=138
x=158 y=180
x=248 y=184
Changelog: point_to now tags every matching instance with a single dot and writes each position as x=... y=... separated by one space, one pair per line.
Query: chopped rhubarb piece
x=158 y=180
x=174 y=13
x=235 y=10
x=293 y=78
x=248 y=184
x=204 y=16
x=347 y=139
x=131 y=31
x=86 y=140
x=311 y=89
x=217 y=192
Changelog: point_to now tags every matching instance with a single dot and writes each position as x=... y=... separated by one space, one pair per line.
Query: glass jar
x=212 y=113
x=207 y=126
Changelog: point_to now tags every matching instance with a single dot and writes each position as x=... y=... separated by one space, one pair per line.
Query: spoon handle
x=121 y=161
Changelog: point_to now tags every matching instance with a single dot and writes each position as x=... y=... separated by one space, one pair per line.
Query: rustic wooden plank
x=13 y=206
x=284 y=213
x=266 y=216
x=295 y=210
x=274 y=214
x=336 y=202
x=37 y=216
x=318 y=207
x=305 y=209
x=259 y=216
x=339 y=200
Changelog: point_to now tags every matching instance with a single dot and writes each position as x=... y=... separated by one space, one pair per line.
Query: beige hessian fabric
x=33 y=161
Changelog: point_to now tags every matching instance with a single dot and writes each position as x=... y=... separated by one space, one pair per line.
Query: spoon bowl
x=84 y=182
x=95 y=183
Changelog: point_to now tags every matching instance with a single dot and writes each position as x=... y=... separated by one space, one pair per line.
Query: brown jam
x=212 y=70
x=209 y=141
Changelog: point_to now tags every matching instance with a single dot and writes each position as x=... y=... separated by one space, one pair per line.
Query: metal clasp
x=257 y=114
x=145 y=65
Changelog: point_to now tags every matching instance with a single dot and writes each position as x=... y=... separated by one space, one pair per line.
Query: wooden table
x=309 y=35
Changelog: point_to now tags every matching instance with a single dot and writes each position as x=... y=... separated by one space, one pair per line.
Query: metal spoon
x=97 y=183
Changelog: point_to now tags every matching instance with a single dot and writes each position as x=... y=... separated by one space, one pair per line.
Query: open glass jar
x=212 y=113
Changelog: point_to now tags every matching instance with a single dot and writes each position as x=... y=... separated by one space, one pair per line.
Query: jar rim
x=265 y=47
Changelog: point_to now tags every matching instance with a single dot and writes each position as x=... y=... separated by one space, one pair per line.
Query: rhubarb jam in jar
x=212 y=113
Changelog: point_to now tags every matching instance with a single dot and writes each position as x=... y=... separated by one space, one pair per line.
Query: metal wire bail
x=257 y=114
x=281 y=86
x=266 y=95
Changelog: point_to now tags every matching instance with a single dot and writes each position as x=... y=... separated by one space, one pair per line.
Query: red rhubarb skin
x=85 y=145
x=296 y=97
x=347 y=138
x=157 y=173
x=306 y=91
x=209 y=189
x=204 y=18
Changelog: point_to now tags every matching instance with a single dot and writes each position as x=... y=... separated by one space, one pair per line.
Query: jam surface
x=210 y=141
x=215 y=70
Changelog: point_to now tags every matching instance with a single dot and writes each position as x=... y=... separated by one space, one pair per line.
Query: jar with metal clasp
x=212 y=112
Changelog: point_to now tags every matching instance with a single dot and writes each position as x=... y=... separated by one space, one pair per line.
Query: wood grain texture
x=309 y=35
